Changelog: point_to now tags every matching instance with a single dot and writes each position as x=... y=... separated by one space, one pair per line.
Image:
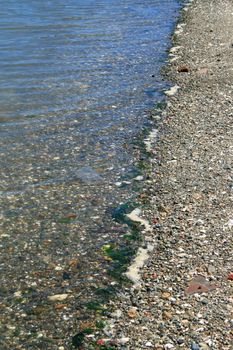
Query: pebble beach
x=176 y=293
x=183 y=298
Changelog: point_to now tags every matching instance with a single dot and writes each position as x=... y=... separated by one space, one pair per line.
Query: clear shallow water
x=77 y=79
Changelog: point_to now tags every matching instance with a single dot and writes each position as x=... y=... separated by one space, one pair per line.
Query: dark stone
x=183 y=69
x=66 y=276
x=78 y=339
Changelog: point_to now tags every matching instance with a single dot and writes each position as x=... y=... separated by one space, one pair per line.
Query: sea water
x=78 y=79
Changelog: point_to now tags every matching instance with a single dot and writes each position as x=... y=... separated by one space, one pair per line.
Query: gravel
x=185 y=299
x=183 y=295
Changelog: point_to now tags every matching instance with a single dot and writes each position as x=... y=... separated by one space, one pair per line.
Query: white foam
x=133 y=271
x=151 y=139
x=134 y=216
x=172 y=91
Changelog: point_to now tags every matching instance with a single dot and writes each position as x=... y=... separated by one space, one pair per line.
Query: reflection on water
x=77 y=78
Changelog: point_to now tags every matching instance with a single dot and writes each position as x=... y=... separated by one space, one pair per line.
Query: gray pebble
x=195 y=346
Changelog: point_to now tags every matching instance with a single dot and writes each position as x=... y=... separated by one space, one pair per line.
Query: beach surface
x=184 y=298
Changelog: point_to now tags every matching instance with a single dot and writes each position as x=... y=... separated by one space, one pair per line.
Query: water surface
x=77 y=81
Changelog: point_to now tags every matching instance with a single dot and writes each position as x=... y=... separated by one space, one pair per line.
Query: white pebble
x=123 y=341
x=58 y=297
x=149 y=344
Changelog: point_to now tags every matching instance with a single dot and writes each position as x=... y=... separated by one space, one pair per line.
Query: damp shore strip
x=185 y=295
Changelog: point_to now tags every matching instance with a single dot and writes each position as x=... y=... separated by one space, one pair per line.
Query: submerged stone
x=88 y=174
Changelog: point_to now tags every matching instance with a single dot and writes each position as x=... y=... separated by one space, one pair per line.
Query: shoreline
x=185 y=298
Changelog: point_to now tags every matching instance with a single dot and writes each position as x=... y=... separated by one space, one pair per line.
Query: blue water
x=77 y=81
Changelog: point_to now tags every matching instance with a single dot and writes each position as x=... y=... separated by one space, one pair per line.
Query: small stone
x=149 y=344
x=200 y=285
x=139 y=178
x=166 y=295
x=183 y=69
x=58 y=268
x=117 y=313
x=123 y=340
x=66 y=276
x=168 y=346
x=185 y=322
x=167 y=315
x=100 y=342
x=202 y=71
x=197 y=196
x=73 y=263
x=60 y=306
x=195 y=346
x=57 y=297
x=132 y=313
x=180 y=341
x=211 y=269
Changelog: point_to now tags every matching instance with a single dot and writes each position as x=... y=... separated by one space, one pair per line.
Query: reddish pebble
x=200 y=285
x=230 y=277
x=71 y=216
x=100 y=342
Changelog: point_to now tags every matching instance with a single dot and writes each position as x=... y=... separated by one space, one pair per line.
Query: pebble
x=132 y=313
x=117 y=313
x=180 y=341
x=167 y=315
x=149 y=344
x=204 y=346
x=57 y=297
x=195 y=346
x=123 y=340
x=166 y=295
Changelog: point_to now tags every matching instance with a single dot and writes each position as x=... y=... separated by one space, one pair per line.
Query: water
x=77 y=81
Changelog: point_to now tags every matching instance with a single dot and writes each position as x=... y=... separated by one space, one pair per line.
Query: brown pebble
x=167 y=315
x=166 y=295
x=185 y=322
x=86 y=325
x=183 y=69
x=60 y=306
x=197 y=196
x=132 y=313
x=71 y=216
x=73 y=263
